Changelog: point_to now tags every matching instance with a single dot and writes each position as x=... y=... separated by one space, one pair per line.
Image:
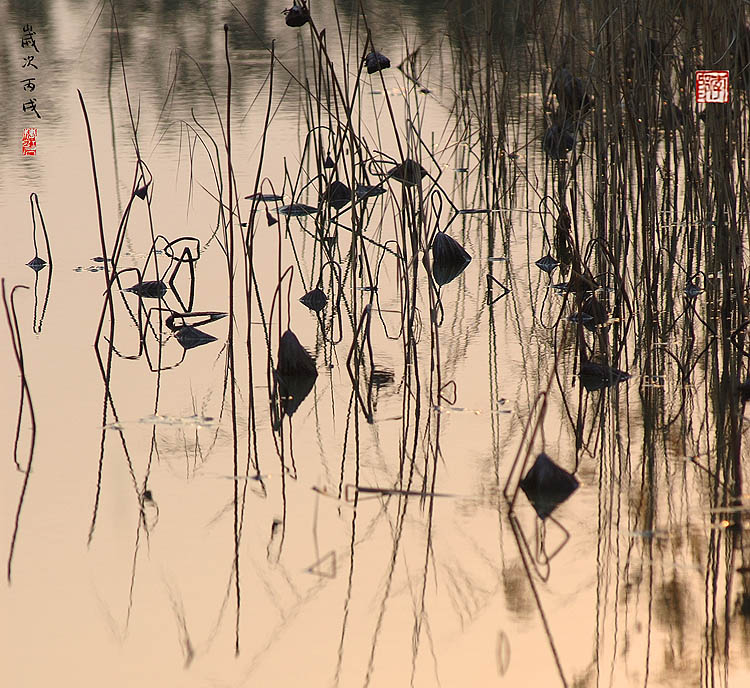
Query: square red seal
x=711 y=86
x=28 y=142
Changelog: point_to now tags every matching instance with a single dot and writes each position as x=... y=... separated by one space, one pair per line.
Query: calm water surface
x=130 y=535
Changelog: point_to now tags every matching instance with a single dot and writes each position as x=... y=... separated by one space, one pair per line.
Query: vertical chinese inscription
x=28 y=84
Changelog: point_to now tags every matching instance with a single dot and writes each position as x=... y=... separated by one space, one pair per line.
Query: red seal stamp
x=28 y=142
x=711 y=86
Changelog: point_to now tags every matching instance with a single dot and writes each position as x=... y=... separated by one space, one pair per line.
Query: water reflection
x=431 y=307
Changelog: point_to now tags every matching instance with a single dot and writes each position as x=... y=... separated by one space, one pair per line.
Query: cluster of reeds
x=648 y=208
x=642 y=210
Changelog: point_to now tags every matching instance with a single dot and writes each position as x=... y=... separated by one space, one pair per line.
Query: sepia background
x=167 y=518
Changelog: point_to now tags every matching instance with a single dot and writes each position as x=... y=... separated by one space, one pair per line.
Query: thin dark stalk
x=15 y=334
x=230 y=346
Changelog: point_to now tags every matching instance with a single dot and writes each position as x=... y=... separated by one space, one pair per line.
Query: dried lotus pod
x=449 y=258
x=558 y=141
x=149 y=289
x=336 y=195
x=376 y=61
x=297 y=15
x=293 y=358
x=547 y=485
x=409 y=172
x=315 y=300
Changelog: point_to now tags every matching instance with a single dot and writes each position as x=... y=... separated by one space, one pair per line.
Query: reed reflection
x=390 y=482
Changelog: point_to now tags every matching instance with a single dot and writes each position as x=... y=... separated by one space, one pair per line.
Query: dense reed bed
x=650 y=213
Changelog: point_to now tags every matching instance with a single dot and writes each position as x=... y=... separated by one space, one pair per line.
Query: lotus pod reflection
x=293 y=390
x=409 y=172
x=596 y=312
x=150 y=289
x=295 y=373
x=297 y=210
x=337 y=195
x=268 y=198
x=558 y=141
x=177 y=321
x=37 y=263
x=315 y=300
x=564 y=245
x=191 y=337
x=368 y=191
x=547 y=263
x=692 y=290
x=547 y=485
x=449 y=258
x=596 y=376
